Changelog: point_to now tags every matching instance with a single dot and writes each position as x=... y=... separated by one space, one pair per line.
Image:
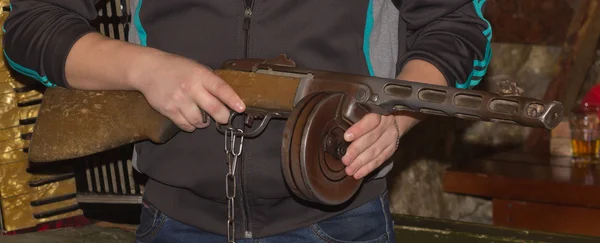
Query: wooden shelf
x=533 y=192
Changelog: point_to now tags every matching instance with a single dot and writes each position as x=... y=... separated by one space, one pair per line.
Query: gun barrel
x=392 y=96
x=470 y=104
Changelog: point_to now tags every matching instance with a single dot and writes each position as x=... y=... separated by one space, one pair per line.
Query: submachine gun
x=318 y=107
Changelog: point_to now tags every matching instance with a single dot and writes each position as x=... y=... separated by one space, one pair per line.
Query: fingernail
x=349 y=136
x=240 y=107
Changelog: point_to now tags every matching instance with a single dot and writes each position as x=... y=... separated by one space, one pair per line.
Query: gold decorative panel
x=25 y=196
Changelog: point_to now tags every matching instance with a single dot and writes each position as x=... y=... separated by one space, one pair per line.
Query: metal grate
x=113 y=19
x=109 y=177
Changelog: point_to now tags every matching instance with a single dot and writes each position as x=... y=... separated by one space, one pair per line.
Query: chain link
x=231 y=155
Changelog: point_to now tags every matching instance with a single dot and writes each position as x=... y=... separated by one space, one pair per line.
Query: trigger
x=249 y=120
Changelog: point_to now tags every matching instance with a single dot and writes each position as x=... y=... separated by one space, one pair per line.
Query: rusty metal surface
x=530 y=21
x=291 y=148
x=312 y=148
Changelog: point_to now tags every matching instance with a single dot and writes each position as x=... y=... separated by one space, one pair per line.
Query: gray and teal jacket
x=187 y=174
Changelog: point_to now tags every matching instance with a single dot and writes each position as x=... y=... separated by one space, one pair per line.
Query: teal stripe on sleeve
x=367 y=37
x=23 y=70
x=138 y=24
x=28 y=72
x=479 y=66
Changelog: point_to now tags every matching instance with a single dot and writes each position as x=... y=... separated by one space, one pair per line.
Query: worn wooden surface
x=529 y=21
x=74 y=124
x=266 y=91
x=515 y=176
x=547 y=217
x=532 y=192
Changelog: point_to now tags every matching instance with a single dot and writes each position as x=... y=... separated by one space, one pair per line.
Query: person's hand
x=179 y=88
x=373 y=141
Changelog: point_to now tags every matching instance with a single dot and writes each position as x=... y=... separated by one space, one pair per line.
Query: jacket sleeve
x=452 y=35
x=38 y=35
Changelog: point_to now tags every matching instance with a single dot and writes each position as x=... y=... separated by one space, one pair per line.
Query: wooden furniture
x=533 y=192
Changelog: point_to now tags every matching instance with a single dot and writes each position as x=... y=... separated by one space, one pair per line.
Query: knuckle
x=218 y=86
x=356 y=164
x=185 y=86
x=170 y=109
x=368 y=168
x=371 y=137
x=196 y=120
x=361 y=160
x=211 y=107
x=378 y=130
x=184 y=126
x=177 y=96
x=373 y=154
x=376 y=151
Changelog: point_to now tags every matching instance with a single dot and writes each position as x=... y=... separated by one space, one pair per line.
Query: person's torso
x=358 y=36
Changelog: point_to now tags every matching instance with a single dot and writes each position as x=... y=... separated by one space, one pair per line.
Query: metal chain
x=230 y=182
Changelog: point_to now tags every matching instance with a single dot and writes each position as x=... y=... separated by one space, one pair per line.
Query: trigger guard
x=266 y=115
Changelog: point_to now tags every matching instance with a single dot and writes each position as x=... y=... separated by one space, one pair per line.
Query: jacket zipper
x=249 y=5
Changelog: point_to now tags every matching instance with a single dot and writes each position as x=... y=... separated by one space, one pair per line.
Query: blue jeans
x=371 y=222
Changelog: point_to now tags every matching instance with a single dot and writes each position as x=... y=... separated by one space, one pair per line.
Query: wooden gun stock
x=74 y=123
